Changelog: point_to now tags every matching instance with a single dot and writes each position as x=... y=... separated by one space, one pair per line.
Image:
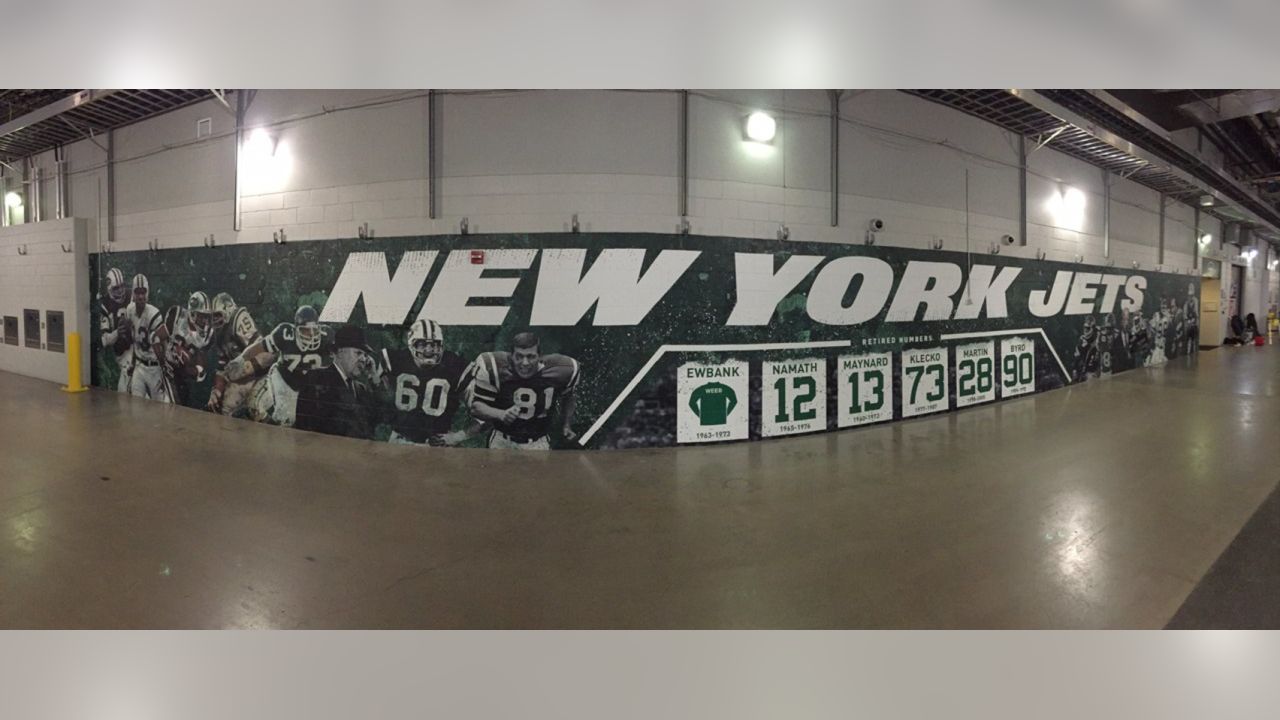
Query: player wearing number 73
x=517 y=393
x=284 y=356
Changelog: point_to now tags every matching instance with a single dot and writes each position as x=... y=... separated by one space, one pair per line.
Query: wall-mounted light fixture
x=1067 y=208
x=1205 y=239
x=12 y=199
x=1249 y=255
x=265 y=162
x=760 y=127
x=261 y=143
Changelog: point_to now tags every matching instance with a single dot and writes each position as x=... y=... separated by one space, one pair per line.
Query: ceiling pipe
x=59 y=183
x=1266 y=135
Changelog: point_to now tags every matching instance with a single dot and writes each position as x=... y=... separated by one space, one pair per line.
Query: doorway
x=1212 y=311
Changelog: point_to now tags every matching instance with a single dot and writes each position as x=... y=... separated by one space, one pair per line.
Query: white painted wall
x=45 y=278
x=527 y=161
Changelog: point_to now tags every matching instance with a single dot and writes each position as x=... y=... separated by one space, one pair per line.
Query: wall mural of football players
x=427 y=384
x=284 y=357
x=517 y=392
x=146 y=326
x=402 y=318
x=233 y=331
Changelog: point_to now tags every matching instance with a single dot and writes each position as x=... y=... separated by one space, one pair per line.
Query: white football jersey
x=144 y=328
x=177 y=320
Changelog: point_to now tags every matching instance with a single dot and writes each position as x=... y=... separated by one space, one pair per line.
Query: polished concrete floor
x=1101 y=505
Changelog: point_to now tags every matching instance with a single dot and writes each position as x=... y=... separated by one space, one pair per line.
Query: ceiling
x=1130 y=132
x=34 y=121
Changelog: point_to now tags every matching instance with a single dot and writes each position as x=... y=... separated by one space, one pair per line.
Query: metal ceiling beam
x=1234 y=105
x=53 y=109
x=1049 y=106
x=1125 y=109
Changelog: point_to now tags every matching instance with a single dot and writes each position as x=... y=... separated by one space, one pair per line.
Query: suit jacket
x=332 y=404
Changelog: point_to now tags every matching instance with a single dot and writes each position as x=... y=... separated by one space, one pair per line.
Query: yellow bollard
x=73 y=365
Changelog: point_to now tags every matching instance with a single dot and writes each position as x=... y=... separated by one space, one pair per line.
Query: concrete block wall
x=528 y=161
x=45 y=278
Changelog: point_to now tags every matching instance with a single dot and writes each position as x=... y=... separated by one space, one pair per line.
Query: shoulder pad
x=561 y=369
x=243 y=326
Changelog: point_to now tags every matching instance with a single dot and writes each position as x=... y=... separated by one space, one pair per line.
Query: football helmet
x=116 y=287
x=426 y=342
x=198 y=311
x=310 y=334
x=141 y=288
x=221 y=310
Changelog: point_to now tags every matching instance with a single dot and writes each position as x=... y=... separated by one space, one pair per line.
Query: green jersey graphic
x=713 y=402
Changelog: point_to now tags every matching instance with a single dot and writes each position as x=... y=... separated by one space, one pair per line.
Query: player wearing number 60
x=517 y=393
x=427 y=384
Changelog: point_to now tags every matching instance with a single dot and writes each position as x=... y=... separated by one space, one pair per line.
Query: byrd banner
x=613 y=340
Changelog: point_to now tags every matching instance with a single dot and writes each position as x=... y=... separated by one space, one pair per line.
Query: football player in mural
x=233 y=331
x=189 y=333
x=1108 y=349
x=427 y=384
x=113 y=332
x=517 y=393
x=1086 y=357
x=146 y=325
x=1191 y=315
x=1176 y=330
x=285 y=356
x=1159 y=335
x=1139 y=339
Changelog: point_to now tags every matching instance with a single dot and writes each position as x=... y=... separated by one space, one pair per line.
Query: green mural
x=597 y=340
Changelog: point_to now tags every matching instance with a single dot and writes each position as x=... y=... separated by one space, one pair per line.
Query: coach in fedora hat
x=336 y=400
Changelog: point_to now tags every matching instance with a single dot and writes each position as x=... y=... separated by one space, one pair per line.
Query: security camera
x=876 y=225
x=1008 y=239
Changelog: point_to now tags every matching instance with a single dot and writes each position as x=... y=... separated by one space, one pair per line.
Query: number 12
x=798 y=403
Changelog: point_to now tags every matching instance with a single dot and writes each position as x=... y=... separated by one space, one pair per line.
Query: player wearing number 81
x=517 y=392
x=427 y=384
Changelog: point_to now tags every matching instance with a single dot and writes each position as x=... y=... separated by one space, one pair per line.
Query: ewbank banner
x=613 y=340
